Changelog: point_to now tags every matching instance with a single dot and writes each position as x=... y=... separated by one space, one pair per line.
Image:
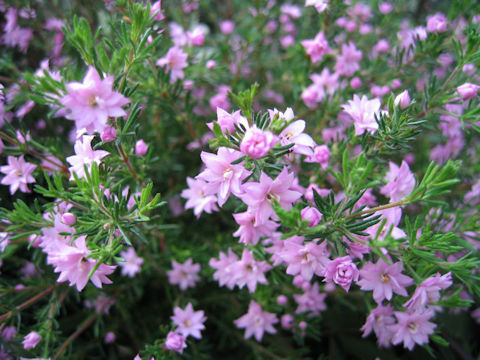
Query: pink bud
x=175 y=342
x=298 y=281
x=468 y=91
x=312 y=215
x=31 y=340
x=350 y=26
x=227 y=26
x=355 y=83
x=196 y=37
x=282 y=300
x=141 y=148
x=69 y=219
x=210 y=64
x=109 y=337
x=286 y=321
x=385 y=7
x=302 y=325
x=188 y=84
x=108 y=134
x=402 y=99
x=396 y=83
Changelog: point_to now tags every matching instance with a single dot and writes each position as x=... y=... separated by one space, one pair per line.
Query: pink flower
x=93 y=101
x=437 y=23
x=132 y=264
x=184 y=275
x=402 y=99
x=227 y=26
x=73 y=265
x=18 y=174
x=250 y=233
x=84 y=155
x=9 y=333
x=384 y=280
x=256 y=143
x=320 y=5
x=293 y=133
x=31 y=340
x=468 y=91
x=363 y=113
x=175 y=61
x=196 y=36
x=258 y=196
x=428 y=292
x=200 y=196
x=156 y=11
x=256 y=322
x=248 y=271
x=400 y=182
x=226 y=121
x=311 y=300
x=380 y=321
x=321 y=154
x=225 y=268
x=348 y=62
x=141 y=148
x=108 y=134
x=341 y=271
x=109 y=337
x=317 y=47
x=175 y=342
x=312 y=215
x=412 y=328
x=305 y=259
x=189 y=322
x=220 y=172
x=385 y=7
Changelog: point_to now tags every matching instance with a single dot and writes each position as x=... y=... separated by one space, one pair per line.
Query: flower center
x=385 y=278
x=270 y=197
x=187 y=323
x=227 y=174
x=413 y=326
x=93 y=100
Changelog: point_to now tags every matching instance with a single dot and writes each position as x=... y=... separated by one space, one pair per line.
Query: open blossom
x=412 y=328
x=321 y=154
x=220 y=172
x=341 y=271
x=84 y=155
x=200 y=196
x=248 y=271
x=349 y=61
x=320 y=5
x=174 y=61
x=91 y=102
x=184 y=275
x=131 y=265
x=400 y=182
x=380 y=320
x=384 y=279
x=428 y=292
x=324 y=84
x=156 y=11
x=317 y=47
x=196 y=36
x=363 y=113
x=225 y=268
x=18 y=174
x=311 y=300
x=256 y=322
x=250 y=233
x=31 y=340
x=437 y=23
x=73 y=265
x=257 y=143
x=188 y=321
x=305 y=259
x=226 y=120
x=293 y=133
x=258 y=196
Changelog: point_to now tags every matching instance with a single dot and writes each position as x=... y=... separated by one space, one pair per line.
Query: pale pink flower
x=175 y=342
x=293 y=134
x=412 y=328
x=311 y=300
x=259 y=196
x=402 y=99
x=227 y=27
x=196 y=36
x=401 y=182
x=348 y=62
x=109 y=337
x=18 y=174
x=31 y=340
x=320 y=5
x=174 y=61
x=363 y=113
x=312 y=215
x=384 y=280
x=341 y=271
x=437 y=23
x=321 y=155
x=84 y=156
x=250 y=233
x=256 y=322
x=380 y=320
x=257 y=143
x=317 y=47
x=189 y=322
x=225 y=268
x=220 y=172
x=305 y=259
x=250 y=272
x=428 y=292
x=468 y=91
x=200 y=196
x=9 y=333
x=91 y=102
x=141 y=147
x=226 y=120
x=156 y=11
x=184 y=275
x=385 y=7
x=132 y=264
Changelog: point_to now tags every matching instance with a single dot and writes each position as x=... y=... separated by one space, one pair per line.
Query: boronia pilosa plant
x=239 y=180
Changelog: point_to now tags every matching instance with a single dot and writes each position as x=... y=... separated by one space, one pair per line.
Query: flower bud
x=312 y=215
x=355 y=83
x=286 y=321
x=227 y=26
x=108 y=134
x=141 y=148
x=175 y=342
x=468 y=91
x=69 y=219
x=210 y=64
x=402 y=99
x=109 y=337
x=282 y=300
x=31 y=340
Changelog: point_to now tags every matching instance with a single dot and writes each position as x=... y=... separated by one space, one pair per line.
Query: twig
x=72 y=337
